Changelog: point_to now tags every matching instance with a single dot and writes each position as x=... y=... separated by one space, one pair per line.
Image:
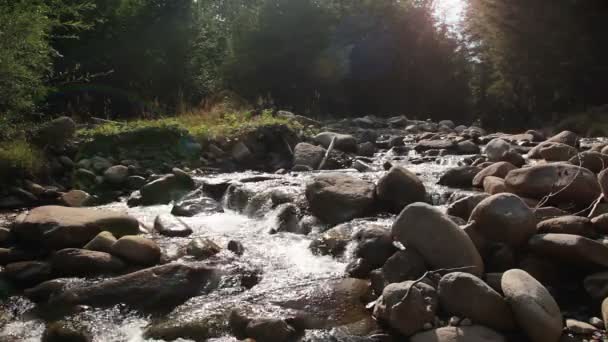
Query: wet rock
x=600 y=223
x=169 y=225
x=80 y=262
x=137 y=250
x=596 y=285
x=504 y=218
x=308 y=155
x=63 y=331
x=215 y=188
x=135 y=182
x=166 y=188
x=333 y=241
x=408 y=315
x=398 y=188
x=14 y=254
x=570 y=249
x=116 y=175
x=158 y=288
x=103 y=242
x=62 y=227
x=75 y=199
x=514 y=158
x=557 y=152
x=336 y=198
x=443 y=144
x=463 y=207
x=576 y=225
x=27 y=273
x=361 y=166
x=499 y=169
x=237 y=197
x=605 y=312
x=358 y=268
x=580 y=328
x=567 y=182
x=367 y=149
x=465 y=295
x=374 y=244
x=459 y=177
x=494 y=185
x=440 y=241
x=496 y=148
x=202 y=248
x=467 y=147
x=195 y=206
x=287 y=220
x=473 y=333
x=260 y=329
x=534 y=308
x=594 y=161
x=236 y=247
x=344 y=142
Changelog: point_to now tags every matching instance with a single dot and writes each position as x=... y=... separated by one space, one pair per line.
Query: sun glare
x=450 y=11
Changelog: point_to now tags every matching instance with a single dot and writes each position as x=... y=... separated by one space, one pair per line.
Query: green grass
x=203 y=127
x=19 y=157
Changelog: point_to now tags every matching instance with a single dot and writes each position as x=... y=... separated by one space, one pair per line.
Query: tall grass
x=18 y=157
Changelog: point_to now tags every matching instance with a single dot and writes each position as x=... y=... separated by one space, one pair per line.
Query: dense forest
x=509 y=63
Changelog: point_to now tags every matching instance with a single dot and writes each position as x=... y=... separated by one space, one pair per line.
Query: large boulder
x=336 y=198
x=308 y=155
x=459 y=177
x=534 y=308
x=56 y=132
x=62 y=227
x=496 y=148
x=465 y=295
x=557 y=152
x=504 y=218
x=167 y=188
x=408 y=315
x=437 y=238
x=473 y=333
x=570 y=249
x=565 y=137
x=566 y=183
x=116 y=175
x=344 y=142
x=592 y=160
x=158 y=288
x=81 y=262
x=499 y=169
x=398 y=188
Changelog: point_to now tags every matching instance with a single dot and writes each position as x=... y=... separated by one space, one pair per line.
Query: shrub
x=18 y=158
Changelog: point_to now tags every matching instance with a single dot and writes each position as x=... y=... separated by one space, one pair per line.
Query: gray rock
x=344 y=142
x=440 y=241
x=594 y=161
x=464 y=207
x=116 y=175
x=576 y=225
x=74 y=262
x=596 y=285
x=166 y=188
x=570 y=249
x=374 y=244
x=494 y=185
x=336 y=198
x=403 y=265
x=201 y=248
x=459 y=177
x=557 y=152
x=496 y=148
x=398 y=188
x=27 y=273
x=534 y=308
x=308 y=155
x=169 y=225
x=499 y=169
x=76 y=198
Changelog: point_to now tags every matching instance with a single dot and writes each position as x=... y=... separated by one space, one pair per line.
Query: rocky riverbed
x=372 y=230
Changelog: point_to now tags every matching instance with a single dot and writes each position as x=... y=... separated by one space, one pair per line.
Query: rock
x=236 y=247
x=135 y=182
x=344 y=142
x=580 y=328
x=567 y=182
x=440 y=241
x=308 y=155
x=596 y=322
x=472 y=333
x=600 y=223
x=464 y=207
x=374 y=244
x=64 y=331
x=603 y=181
x=336 y=198
x=545 y=213
x=557 y=152
x=605 y=312
x=241 y=153
x=103 y=242
x=398 y=122
x=398 y=188
x=504 y=218
x=465 y=295
x=367 y=149
x=63 y=227
x=496 y=148
x=333 y=241
x=565 y=137
x=56 y=132
x=514 y=158
x=596 y=285
x=159 y=288
x=570 y=249
x=202 y=248
x=84 y=179
x=443 y=144
x=71 y=262
x=494 y=185
x=467 y=147
x=116 y=175
x=99 y=164
x=27 y=273
x=169 y=225
x=287 y=220
x=499 y=169
x=576 y=225
x=403 y=265
x=75 y=199
x=6 y=236
x=459 y=177
x=534 y=308
x=137 y=250
x=407 y=315
x=594 y=161
x=166 y=188
x=270 y=329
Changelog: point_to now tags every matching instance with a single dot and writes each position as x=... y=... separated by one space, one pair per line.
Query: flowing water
x=287 y=269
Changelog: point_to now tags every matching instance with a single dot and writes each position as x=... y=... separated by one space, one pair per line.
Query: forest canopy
x=527 y=61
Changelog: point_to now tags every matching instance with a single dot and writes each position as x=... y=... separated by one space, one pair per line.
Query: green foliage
x=18 y=157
